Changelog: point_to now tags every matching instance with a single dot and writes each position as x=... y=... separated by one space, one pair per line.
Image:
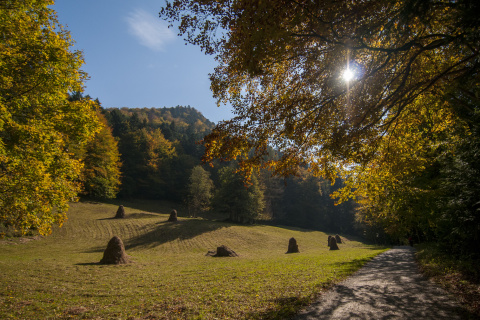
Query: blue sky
x=134 y=60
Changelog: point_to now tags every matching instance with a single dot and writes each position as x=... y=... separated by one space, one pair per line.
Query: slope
x=59 y=276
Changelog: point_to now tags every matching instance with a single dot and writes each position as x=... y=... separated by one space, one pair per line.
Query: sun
x=348 y=75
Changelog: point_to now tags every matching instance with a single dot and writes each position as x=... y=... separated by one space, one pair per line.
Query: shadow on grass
x=136 y=215
x=351 y=266
x=165 y=232
x=285 y=308
x=289 y=307
x=155 y=206
x=88 y=264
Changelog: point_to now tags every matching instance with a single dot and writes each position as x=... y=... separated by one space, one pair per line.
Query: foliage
x=200 y=191
x=385 y=131
x=306 y=203
x=243 y=203
x=101 y=171
x=459 y=201
x=183 y=127
x=460 y=277
x=281 y=64
x=397 y=190
x=173 y=133
x=39 y=126
x=145 y=154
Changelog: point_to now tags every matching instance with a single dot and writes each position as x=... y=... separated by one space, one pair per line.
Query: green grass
x=58 y=277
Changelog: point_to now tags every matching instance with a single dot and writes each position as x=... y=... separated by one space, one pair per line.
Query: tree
x=306 y=203
x=200 y=190
x=243 y=203
x=39 y=126
x=459 y=182
x=281 y=65
x=146 y=159
x=101 y=171
x=176 y=128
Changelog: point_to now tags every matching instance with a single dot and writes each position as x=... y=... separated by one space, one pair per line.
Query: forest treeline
x=157 y=154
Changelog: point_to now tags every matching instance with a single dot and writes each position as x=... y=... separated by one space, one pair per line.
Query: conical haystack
x=292 y=246
x=339 y=240
x=333 y=244
x=120 y=213
x=224 y=251
x=115 y=252
x=173 y=216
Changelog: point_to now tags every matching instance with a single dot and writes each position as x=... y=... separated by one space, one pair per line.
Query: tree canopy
x=409 y=101
x=280 y=65
x=200 y=191
x=101 y=159
x=39 y=127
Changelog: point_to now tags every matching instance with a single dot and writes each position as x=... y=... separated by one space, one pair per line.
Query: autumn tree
x=283 y=66
x=101 y=159
x=200 y=191
x=39 y=126
x=146 y=159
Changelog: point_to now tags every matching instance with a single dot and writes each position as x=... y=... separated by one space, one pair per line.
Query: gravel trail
x=388 y=287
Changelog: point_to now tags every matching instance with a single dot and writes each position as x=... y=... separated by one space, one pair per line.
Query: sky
x=133 y=60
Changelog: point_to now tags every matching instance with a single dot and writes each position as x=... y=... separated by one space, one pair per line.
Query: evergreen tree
x=146 y=159
x=243 y=203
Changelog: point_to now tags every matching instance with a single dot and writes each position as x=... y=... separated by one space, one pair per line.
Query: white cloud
x=149 y=30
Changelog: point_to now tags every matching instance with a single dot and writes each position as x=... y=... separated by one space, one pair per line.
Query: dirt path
x=388 y=287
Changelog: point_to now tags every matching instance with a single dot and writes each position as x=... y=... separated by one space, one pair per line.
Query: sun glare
x=348 y=74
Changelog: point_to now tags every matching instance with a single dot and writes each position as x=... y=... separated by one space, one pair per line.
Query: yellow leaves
x=38 y=125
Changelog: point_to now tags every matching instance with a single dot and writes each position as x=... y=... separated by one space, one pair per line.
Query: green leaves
x=243 y=203
x=200 y=191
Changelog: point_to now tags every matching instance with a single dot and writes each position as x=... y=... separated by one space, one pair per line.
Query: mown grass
x=59 y=277
x=461 y=277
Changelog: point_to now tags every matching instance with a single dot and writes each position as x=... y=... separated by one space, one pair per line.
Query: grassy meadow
x=58 y=277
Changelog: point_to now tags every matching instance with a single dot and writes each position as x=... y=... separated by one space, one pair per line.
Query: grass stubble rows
x=58 y=277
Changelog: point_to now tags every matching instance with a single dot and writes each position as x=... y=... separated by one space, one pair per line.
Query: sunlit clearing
x=348 y=75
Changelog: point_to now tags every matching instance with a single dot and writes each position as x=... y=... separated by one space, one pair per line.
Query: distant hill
x=158 y=148
x=182 y=117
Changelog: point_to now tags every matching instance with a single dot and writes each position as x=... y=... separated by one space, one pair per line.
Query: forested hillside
x=158 y=149
x=160 y=154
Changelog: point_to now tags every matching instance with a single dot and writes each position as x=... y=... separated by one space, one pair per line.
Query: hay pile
x=115 y=252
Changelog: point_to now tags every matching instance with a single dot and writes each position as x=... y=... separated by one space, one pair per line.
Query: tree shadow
x=89 y=264
x=165 y=232
x=135 y=215
x=288 y=307
x=284 y=308
x=152 y=206
x=390 y=286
